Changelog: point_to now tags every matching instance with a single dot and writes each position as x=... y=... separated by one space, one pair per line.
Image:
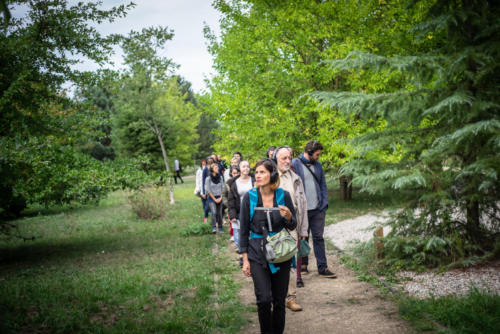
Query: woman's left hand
x=285 y=212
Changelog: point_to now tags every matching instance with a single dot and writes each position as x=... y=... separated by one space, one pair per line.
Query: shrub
x=148 y=203
x=196 y=229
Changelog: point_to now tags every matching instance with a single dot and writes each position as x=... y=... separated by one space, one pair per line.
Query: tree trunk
x=167 y=168
x=346 y=188
x=473 y=224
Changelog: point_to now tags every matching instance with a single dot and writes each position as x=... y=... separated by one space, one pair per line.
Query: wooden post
x=345 y=187
x=378 y=240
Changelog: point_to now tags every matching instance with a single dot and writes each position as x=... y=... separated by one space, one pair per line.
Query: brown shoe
x=292 y=305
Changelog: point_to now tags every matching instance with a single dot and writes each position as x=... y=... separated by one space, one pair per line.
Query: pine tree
x=443 y=126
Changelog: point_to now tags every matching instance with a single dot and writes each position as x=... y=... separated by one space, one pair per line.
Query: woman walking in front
x=270 y=280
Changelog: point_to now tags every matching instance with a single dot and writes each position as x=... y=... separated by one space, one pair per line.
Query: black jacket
x=234 y=199
x=253 y=246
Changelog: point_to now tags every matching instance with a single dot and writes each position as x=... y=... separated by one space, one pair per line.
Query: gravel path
x=423 y=285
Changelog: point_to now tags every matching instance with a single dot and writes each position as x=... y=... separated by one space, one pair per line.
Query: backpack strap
x=254 y=197
x=280 y=196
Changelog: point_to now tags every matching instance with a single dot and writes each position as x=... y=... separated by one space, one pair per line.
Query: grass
x=477 y=312
x=101 y=269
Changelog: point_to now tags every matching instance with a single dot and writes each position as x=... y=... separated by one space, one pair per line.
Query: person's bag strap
x=280 y=196
x=310 y=170
x=253 y=197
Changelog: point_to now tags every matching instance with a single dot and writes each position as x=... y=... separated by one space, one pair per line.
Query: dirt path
x=341 y=305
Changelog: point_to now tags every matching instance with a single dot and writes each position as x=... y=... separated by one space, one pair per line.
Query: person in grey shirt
x=214 y=185
x=311 y=172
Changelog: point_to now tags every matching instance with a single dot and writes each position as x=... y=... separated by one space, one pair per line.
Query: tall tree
x=36 y=119
x=154 y=101
x=444 y=122
x=271 y=55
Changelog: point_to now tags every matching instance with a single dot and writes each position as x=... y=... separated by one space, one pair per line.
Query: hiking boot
x=292 y=305
x=304 y=270
x=327 y=274
x=214 y=230
x=300 y=283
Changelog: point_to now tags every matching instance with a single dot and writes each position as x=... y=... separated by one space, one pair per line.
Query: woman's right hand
x=246 y=268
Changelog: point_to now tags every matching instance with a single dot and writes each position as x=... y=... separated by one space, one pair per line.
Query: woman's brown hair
x=273 y=170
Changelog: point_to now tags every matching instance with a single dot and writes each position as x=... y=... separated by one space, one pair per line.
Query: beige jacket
x=301 y=210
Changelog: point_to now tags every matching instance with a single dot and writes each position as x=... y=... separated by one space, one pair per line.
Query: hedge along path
x=342 y=305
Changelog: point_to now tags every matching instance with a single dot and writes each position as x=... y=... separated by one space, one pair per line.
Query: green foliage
x=153 y=109
x=73 y=176
x=99 y=99
x=39 y=127
x=272 y=54
x=441 y=127
x=476 y=312
x=34 y=58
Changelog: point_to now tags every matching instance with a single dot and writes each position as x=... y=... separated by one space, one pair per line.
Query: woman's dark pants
x=270 y=291
x=206 y=208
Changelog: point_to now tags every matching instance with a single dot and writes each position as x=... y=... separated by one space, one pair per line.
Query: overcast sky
x=186 y=17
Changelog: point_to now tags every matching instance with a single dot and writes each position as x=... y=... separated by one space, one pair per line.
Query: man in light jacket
x=311 y=172
x=292 y=183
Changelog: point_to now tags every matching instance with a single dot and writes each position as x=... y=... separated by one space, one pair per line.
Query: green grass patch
x=477 y=312
x=100 y=269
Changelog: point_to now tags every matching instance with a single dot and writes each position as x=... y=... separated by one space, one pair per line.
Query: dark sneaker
x=327 y=274
x=300 y=283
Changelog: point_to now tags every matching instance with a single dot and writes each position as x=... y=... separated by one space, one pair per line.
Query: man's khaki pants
x=292 y=283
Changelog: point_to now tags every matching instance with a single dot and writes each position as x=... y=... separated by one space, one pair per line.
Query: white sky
x=186 y=18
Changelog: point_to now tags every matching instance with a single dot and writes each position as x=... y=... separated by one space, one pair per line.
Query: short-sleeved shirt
x=243 y=187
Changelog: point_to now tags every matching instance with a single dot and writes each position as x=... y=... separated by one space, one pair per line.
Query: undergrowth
x=476 y=312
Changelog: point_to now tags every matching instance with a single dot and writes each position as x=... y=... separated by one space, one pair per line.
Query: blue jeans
x=236 y=234
x=316 y=228
x=206 y=209
x=216 y=210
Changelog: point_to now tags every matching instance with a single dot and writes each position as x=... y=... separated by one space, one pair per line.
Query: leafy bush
x=423 y=238
x=48 y=174
x=148 y=203
x=196 y=229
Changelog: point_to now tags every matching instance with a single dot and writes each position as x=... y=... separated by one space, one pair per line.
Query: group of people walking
x=301 y=211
